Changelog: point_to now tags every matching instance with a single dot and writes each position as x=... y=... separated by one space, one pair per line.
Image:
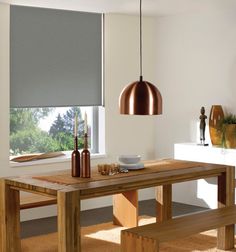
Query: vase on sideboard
x=216 y=116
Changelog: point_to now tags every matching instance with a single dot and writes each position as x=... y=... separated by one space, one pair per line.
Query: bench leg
x=164 y=202
x=225 y=235
x=134 y=243
x=125 y=209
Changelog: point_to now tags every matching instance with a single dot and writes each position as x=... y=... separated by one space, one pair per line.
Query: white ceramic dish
x=129 y=159
x=137 y=166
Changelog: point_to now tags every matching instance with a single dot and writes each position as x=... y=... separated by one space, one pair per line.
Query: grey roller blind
x=56 y=57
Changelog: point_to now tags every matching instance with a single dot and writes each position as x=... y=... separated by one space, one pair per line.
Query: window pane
x=37 y=130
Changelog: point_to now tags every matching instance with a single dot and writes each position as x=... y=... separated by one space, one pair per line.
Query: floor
x=100 y=215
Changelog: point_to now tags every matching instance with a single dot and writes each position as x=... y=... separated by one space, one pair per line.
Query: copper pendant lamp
x=140 y=97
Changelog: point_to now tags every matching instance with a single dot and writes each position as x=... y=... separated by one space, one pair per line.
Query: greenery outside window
x=40 y=130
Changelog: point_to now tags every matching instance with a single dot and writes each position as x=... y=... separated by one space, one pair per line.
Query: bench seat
x=148 y=237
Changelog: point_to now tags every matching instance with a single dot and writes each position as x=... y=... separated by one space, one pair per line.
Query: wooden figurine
x=202 y=118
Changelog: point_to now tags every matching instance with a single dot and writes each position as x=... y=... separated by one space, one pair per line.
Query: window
x=38 y=130
x=56 y=69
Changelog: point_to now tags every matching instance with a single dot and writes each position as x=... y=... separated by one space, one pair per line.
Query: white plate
x=137 y=166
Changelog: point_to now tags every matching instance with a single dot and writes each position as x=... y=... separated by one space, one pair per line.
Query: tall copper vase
x=75 y=160
x=85 y=159
x=216 y=115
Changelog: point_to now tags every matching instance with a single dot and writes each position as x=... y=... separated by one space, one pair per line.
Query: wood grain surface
x=33 y=200
x=68 y=221
x=156 y=173
x=163 y=202
x=162 y=173
x=181 y=227
x=9 y=218
x=150 y=167
x=127 y=203
x=226 y=197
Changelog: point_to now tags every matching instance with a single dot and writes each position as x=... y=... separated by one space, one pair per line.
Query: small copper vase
x=75 y=160
x=85 y=159
x=216 y=116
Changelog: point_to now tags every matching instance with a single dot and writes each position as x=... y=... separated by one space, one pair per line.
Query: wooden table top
x=156 y=172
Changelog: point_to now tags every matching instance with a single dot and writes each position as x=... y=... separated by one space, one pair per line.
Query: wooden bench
x=31 y=200
x=148 y=237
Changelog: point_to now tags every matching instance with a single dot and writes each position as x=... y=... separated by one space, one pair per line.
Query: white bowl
x=129 y=159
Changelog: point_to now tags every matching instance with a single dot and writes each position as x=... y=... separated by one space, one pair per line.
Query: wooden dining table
x=69 y=192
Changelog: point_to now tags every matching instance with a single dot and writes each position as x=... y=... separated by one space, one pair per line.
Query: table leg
x=225 y=235
x=9 y=219
x=125 y=209
x=69 y=234
x=163 y=202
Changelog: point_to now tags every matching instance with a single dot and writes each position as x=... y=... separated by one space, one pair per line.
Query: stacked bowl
x=130 y=162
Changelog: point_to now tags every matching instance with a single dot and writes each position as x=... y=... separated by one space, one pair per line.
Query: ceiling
x=150 y=7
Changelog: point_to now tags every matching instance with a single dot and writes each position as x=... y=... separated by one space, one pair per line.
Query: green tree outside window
x=27 y=137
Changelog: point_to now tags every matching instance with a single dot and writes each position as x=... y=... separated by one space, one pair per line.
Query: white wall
x=196 y=66
x=4 y=89
x=127 y=134
x=124 y=134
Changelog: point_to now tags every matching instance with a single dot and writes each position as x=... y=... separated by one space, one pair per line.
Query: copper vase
x=75 y=160
x=85 y=159
x=216 y=115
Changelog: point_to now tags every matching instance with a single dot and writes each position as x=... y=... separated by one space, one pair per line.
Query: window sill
x=61 y=159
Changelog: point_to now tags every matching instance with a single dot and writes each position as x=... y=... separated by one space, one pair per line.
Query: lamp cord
x=140 y=39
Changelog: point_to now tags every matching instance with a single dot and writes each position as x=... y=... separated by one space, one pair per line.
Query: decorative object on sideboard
x=202 y=118
x=216 y=116
x=228 y=128
x=85 y=154
x=140 y=97
x=75 y=156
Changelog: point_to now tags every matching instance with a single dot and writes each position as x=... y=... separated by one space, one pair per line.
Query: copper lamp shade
x=140 y=98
